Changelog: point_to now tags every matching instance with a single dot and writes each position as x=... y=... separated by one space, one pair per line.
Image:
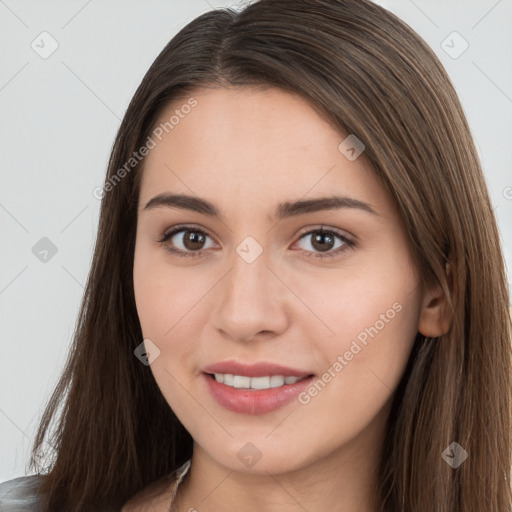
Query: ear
x=435 y=315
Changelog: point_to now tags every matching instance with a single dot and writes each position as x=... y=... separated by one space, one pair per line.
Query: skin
x=246 y=150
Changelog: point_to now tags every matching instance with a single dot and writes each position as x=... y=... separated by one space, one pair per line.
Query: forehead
x=258 y=121
x=252 y=143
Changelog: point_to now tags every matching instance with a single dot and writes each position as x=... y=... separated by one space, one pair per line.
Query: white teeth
x=260 y=382
x=276 y=381
x=241 y=381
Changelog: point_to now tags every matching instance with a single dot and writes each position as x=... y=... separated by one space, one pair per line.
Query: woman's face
x=254 y=283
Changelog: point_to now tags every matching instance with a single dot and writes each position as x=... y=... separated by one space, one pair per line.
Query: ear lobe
x=435 y=315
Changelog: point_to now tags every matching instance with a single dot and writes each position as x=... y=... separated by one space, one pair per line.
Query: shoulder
x=149 y=497
x=159 y=495
x=20 y=494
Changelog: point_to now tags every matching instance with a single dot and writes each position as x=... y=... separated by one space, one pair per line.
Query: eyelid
x=319 y=227
x=327 y=229
x=348 y=240
x=178 y=228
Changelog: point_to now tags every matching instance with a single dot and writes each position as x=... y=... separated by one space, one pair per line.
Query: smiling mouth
x=255 y=383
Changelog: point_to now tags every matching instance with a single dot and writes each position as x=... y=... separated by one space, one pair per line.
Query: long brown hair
x=370 y=75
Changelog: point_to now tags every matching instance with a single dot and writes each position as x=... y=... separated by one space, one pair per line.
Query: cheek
x=171 y=304
x=162 y=296
x=165 y=306
x=373 y=312
x=365 y=292
x=365 y=309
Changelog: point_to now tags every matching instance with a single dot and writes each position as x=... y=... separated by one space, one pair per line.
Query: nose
x=251 y=301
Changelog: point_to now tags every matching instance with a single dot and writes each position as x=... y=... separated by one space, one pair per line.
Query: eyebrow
x=284 y=210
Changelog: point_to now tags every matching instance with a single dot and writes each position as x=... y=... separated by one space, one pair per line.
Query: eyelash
x=348 y=244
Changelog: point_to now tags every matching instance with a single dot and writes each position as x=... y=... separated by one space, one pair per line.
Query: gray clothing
x=20 y=494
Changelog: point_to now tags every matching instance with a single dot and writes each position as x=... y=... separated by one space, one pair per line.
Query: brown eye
x=193 y=240
x=323 y=241
x=190 y=241
x=185 y=241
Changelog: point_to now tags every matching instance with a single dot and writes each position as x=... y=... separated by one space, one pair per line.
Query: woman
x=298 y=298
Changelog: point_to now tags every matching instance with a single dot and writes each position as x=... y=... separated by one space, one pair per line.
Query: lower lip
x=258 y=401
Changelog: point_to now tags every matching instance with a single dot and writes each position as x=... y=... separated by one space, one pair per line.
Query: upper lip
x=257 y=369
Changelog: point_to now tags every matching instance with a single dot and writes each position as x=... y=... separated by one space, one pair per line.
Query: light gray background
x=58 y=119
